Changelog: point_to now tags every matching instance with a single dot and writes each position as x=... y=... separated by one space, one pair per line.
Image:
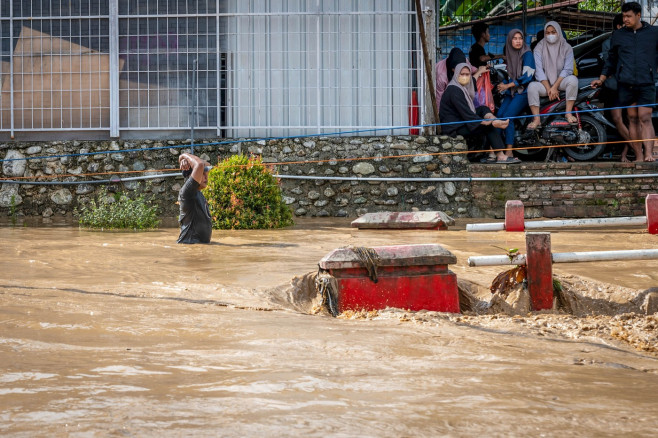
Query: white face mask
x=552 y=39
x=464 y=80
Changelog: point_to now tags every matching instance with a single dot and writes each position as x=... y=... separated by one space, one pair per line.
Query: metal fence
x=230 y=68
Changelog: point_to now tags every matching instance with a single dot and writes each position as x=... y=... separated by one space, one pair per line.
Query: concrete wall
x=394 y=157
x=605 y=197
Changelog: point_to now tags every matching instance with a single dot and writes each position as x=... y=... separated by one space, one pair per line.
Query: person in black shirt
x=538 y=38
x=195 y=221
x=632 y=60
x=609 y=94
x=477 y=56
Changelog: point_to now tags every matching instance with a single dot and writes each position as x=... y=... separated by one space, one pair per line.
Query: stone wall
x=327 y=158
x=318 y=157
x=389 y=158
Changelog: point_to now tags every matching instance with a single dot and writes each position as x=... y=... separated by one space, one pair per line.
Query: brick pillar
x=540 y=270
x=514 y=216
x=652 y=213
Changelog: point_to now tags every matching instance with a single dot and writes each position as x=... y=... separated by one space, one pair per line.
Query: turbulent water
x=129 y=334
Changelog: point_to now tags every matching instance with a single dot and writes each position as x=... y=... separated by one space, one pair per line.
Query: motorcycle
x=588 y=135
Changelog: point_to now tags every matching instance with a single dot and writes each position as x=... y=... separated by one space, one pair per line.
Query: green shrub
x=118 y=211
x=243 y=194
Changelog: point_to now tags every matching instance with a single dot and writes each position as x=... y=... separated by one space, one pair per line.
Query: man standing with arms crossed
x=632 y=60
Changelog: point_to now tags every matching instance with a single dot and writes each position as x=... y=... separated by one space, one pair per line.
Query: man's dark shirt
x=195 y=221
x=474 y=55
x=632 y=55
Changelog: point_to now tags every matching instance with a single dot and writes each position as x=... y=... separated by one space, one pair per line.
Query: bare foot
x=649 y=159
x=502 y=124
x=624 y=159
x=534 y=124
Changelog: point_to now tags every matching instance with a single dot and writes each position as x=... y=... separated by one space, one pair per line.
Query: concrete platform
x=429 y=220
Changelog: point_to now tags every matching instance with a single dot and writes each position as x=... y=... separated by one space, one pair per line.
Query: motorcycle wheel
x=596 y=133
x=533 y=154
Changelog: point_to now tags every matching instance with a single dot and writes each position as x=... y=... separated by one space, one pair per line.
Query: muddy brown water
x=129 y=334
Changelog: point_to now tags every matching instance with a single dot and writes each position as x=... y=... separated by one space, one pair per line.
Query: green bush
x=243 y=194
x=118 y=211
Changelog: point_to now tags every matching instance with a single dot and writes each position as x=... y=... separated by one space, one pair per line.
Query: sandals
x=509 y=160
x=488 y=160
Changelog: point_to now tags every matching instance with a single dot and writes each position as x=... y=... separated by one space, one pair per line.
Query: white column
x=114 y=68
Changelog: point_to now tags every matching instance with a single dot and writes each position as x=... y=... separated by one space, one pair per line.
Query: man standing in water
x=632 y=59
x=194 y=219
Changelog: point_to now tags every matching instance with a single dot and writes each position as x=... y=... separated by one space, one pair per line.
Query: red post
x=539 y=263
x=652 y=213
x=514 y=220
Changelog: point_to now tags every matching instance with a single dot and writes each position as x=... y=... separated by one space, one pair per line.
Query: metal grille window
x=168 y=51
x=226 y=67
x=55 y=65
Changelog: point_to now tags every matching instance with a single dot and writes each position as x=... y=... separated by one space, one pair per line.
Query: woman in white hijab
x=554 y=73
x=460 y=117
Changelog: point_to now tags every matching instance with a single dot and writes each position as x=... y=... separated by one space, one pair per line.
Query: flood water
x=130 y=334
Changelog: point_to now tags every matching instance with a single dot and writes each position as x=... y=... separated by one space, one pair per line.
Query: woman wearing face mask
x=554 y=73
x=521 y=71
x=445 y=69
x=462 y=118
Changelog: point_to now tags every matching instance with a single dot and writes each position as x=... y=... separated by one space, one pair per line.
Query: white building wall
x=308 y=66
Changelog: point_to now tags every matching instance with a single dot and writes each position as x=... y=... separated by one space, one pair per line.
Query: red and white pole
x=514 y=220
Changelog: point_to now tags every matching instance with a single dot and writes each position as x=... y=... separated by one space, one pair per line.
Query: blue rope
x=357 y=131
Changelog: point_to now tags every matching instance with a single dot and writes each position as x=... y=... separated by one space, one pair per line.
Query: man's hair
x=617 y=21
x=478 y=29
x=632 y=6
x=538 y=38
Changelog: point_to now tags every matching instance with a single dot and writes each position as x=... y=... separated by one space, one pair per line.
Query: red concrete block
x=539 y=264
x=514 y=216
x=413 y=277
x=652 y=213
